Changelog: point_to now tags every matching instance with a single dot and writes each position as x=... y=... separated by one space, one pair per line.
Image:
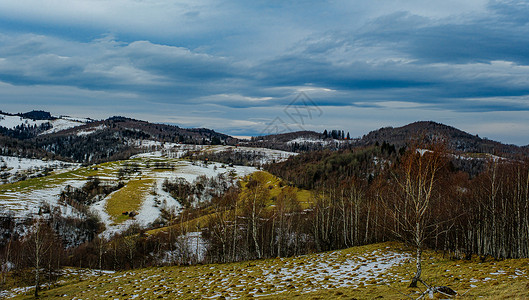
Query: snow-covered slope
x=175 y=150
x=149 y=210
x=323 y=142
x=11 y=122
x=90 y=130
x=267 y=155
x=57 y=124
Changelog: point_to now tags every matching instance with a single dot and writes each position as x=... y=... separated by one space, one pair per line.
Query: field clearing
x=366 y=272
x=128 y=199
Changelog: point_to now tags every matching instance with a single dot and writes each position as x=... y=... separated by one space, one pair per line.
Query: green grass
x=128 y=198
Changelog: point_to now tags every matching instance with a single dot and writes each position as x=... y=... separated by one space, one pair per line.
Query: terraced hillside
x=378 y=271
x=142 y=177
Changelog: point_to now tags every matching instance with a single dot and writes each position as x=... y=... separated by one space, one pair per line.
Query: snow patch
x=62 y=124
x=90 y=130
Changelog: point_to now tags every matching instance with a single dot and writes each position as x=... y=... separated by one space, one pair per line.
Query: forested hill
x=152 y=131
x=324 y=168
x=304 y=141
x=37 y=135
x=457 y=140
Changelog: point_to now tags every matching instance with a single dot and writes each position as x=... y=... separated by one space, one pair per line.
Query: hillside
x=427 y=131
x=367 y=272
x=36 y=182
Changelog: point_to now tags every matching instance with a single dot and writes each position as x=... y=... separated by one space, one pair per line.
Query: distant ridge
x=428 y=131
x=37 y=134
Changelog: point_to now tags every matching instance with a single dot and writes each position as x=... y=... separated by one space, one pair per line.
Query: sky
x=260 y=67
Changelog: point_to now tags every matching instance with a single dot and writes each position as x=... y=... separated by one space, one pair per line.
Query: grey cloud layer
x=467 y=57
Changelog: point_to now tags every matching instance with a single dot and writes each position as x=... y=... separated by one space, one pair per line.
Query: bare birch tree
x=38 y=246
x=417 y=186
x=254 y=199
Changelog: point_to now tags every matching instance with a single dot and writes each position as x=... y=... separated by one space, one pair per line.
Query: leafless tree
x=416 y=191
x=38 y=246
x=254 y=199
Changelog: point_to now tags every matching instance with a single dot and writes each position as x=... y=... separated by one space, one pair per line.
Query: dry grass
x=271 y=279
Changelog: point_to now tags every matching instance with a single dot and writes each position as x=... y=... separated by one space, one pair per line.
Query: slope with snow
x=28 y=201
x=57 y=124
x=151 y=209
x=268 y=155
x=26 y=197
x=323 y=142
x=62 y=124
x=15 y=168
x=91 y=130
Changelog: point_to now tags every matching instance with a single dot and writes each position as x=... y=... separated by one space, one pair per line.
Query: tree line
x=416 y=195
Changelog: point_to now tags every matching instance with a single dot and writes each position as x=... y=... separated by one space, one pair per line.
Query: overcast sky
x=252 y=67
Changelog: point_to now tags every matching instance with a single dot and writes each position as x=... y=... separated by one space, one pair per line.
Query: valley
x=120 y=203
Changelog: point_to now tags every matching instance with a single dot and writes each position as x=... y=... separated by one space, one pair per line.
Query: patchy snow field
x=175 y=150
x=268 y=155
x=90 y=130
x=26 y=197
x=62 y=124
x=278 y=278
x=377 y=271
x=336 y=269
x=28 y=201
